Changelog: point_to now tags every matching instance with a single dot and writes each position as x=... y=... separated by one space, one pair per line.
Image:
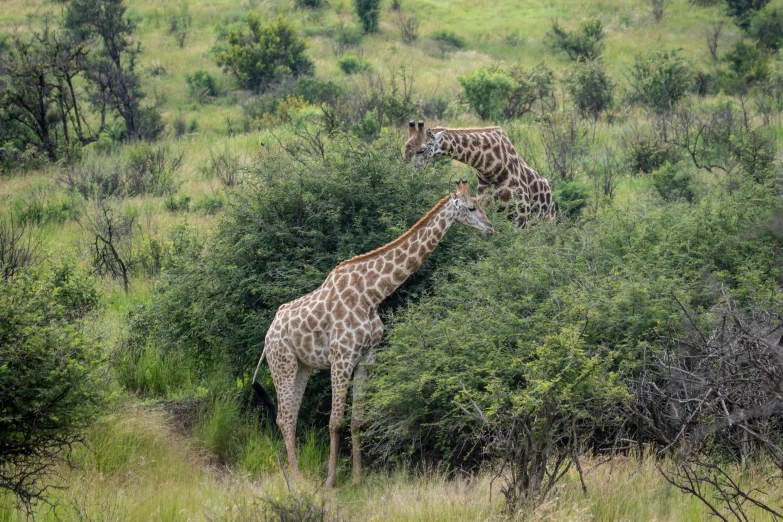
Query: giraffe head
x=468 y=211
x=422 y=144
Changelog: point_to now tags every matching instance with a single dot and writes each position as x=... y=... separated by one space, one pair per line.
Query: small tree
x=658 y=8
x=534 y=90
x=368 y=12
x=584 y=44
x=590 y=88
x=40 y=99
x=487 y=91
x=661 y=79
x=713 y=38
x=747 y=66
x=111 y=67
x=49 y=384
x=264 y=54
x=110 y=233
x=766 y=27
x=743 y=10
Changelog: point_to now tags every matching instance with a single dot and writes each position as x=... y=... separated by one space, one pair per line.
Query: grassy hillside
x=175 y=441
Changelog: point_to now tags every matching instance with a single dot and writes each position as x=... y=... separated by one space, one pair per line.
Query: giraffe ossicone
x=500 y=170
x=335 y=326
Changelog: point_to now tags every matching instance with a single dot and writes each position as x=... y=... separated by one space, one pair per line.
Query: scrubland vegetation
x=170 y=173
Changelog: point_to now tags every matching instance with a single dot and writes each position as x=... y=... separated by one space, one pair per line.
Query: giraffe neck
x=482 y=149
x=386 y=268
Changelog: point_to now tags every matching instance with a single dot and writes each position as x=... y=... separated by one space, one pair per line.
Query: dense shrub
x=673 y=182
x=265 y=54
x=766 y=27
x=743 y=10
x=487 y=92
x=748 y=65
x=661 y=78
x=50 y=387
x=347 y=36
x=143 y=169
x=309 y=4
x=647 y=154
x=201 y=83
x=590 y=88
x=350 y=64
x=586 y=43
x=449 y=38
x=533 y=92
x=279 y=237
x=571 y=197
x=483 y=334
x=368 y=12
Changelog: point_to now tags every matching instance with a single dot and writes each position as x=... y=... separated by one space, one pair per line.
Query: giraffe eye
x=421 y=151
x=472 y=209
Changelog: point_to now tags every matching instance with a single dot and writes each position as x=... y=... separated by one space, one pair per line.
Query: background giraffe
x=497 y=165
x=334 y=326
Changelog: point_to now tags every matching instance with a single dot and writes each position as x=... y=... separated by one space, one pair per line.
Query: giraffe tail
x=261 y=395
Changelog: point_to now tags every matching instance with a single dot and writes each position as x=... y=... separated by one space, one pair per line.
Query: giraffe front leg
x=342 y=368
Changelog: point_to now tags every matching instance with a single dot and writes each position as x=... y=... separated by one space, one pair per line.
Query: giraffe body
x=500 y=171
x=335 y=326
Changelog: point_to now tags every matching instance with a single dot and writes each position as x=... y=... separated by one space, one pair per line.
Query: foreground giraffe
x=496 y=161
x=334 y=326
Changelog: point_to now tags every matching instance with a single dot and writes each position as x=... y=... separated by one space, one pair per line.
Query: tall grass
x=136 y=468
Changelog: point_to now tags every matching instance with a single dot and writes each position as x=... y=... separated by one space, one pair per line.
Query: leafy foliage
x=201 y=82
x=449 y=38
x=368 y=11
x=743 y=10
x=111 y=66
x=487 y=91
x=766 y=27
x=291 y=224
x=661 y=78
x=748 y=65
x=590 y=88
x=265 y=54
x=476 y=352
x=49 y=378
x=584 y=44
x=350 y=64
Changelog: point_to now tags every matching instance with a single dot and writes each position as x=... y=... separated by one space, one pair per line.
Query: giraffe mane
x=466 y=131
x=388 y=246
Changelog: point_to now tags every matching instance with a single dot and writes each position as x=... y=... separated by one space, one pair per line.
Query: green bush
x=487 y=92
x=571 y=197
x=534 y=90
x=471 y=355
x=748 y=65
x=586 y=43
x=277 y=240
x=50 y=384
x=309 y=4
x=590 y=88
x=661 y=78
x=368 y=12
x=766 y=27
x=350 y=64
x=646 y=154
x=449 y=38
x=265 y=54
x=673 y=182
x=348 y=36
x=201 y=83
x=743 y=10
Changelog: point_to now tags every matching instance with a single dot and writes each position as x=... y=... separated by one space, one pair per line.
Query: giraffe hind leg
x=290 y=379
